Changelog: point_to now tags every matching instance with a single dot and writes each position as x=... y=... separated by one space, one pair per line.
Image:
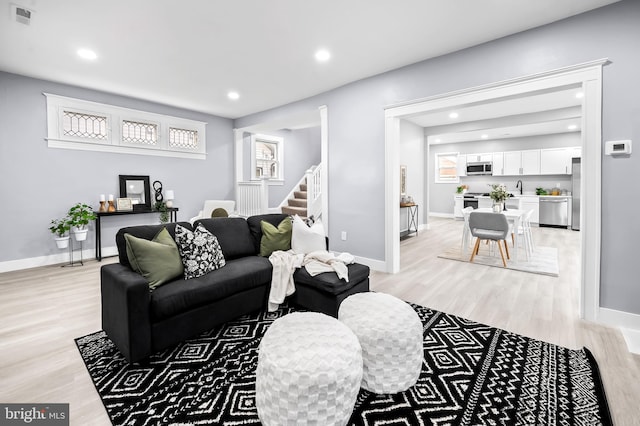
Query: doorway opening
x=589 y=77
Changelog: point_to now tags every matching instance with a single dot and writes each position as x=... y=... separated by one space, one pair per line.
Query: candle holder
x=111 y=208
x=102 y=208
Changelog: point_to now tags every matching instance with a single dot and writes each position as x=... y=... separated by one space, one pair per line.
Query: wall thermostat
x=617 y=147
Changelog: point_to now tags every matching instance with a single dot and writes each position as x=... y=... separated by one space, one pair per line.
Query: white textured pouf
x=309 y=371
x=390 y=334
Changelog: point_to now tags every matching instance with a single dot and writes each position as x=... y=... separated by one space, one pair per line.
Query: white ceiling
x=548 y=112
x=190 y=53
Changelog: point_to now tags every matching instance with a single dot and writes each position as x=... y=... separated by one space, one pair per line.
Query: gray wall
x=356 y=128
x=441 y=194
x=38 y=183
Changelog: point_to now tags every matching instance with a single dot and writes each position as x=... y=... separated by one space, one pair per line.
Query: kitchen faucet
x=519 y=185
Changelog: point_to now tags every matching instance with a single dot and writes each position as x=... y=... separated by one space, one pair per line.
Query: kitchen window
x=446 y=167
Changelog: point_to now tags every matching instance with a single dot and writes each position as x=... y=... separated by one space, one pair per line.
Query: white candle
x=110 y=197
x=101 y=197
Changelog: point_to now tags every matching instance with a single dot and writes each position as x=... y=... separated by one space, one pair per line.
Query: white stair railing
x=314 y=192
x=312 y=177
x=252 y=198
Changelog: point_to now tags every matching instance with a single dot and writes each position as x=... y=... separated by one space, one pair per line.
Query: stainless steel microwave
x=480 y=168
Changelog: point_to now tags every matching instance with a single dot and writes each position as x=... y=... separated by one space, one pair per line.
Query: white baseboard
x=628 y=323
x=54 y=259
x=376 y=265
x=447 y=215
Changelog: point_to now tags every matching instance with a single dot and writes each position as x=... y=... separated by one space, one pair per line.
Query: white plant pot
x=62 y=242
x=80 y=234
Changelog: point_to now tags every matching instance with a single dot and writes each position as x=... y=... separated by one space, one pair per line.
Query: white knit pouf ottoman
x=309 y=371
x=390 y=334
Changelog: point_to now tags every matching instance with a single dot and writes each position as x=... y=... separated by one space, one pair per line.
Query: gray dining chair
x=490 y=227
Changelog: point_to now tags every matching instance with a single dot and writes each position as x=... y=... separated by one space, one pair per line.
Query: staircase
x=297 y=204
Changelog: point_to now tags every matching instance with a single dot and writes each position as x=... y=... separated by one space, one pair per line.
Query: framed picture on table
x=124 y=204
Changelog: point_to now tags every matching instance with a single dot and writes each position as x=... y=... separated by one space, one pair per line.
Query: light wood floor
x=42 y=310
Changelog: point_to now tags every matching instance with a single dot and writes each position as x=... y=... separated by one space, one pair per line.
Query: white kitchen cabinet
x=476 y=158
x=461 y=165
x=575 y=152
x=512 y=203
x=531 y=203
x=458 y=205
x=485 y=202
x=498 y=164
x=531 y=162
x=512 y=163
x=519 y=163
x=555 y=161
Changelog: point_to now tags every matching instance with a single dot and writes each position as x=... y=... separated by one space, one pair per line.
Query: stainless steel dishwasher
x=554 y=211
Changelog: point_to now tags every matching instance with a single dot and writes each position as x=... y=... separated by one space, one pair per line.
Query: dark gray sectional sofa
x=141 y=322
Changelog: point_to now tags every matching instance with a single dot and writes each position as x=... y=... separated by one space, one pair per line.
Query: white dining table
x=514 y=216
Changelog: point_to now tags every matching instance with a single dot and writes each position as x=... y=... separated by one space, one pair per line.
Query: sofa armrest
x=125 y=310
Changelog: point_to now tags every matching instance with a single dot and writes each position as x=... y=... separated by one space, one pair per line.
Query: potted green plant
x=59 y=228
x=79 y=217
x=499 y=195
x=161 y=206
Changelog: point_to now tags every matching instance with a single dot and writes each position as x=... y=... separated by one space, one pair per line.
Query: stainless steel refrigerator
x=575 y=194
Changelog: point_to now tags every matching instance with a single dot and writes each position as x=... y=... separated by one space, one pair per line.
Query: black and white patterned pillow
x=199 y=250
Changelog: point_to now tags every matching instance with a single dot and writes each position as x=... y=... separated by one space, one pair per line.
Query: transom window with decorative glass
x=91 y=126
x=446 y=167
x=135 y=132
x=266 y=157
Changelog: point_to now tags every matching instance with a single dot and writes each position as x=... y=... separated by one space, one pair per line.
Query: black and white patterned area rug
x=472 y=374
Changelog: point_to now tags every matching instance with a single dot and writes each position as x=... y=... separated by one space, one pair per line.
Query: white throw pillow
x=304 y=239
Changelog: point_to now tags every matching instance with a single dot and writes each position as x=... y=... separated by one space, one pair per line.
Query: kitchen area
x=545 y=181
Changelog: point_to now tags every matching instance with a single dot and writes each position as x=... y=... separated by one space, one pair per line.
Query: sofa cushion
x=180 y=296
x=329 y=282
x=200 y=251
x=157 y=260
x=143 y=231
x=233 y=235
x=256 y=228
x=275 y=238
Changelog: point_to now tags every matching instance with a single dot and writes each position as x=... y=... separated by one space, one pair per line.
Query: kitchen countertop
x=521 y=196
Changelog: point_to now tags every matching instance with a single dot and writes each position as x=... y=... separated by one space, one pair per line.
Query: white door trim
x=589 y=75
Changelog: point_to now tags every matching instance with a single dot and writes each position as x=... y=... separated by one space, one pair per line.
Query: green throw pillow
x=157 y=260
x=273 y=238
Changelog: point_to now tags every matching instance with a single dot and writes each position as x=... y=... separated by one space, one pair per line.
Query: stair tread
x=300 y=211
x=297 y=202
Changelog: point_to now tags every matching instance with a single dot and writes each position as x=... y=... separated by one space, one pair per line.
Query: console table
x=412 y=217
x=173 y=217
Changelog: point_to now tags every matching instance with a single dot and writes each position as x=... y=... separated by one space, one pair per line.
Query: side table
x=173 y=217
x=412 y=217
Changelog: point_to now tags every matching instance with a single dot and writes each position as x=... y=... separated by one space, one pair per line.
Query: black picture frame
x=138 y=189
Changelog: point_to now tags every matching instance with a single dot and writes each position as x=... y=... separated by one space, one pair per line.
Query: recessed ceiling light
x=484 y=136
x=580 y=95
x=572 y=126
x=87 y=54
x=322 y=55
x=438 y=140
x=453 y=115
x=233 y=95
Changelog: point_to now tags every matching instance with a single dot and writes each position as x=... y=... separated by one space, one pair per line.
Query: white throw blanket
x=284 y=265
x=321 y=261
